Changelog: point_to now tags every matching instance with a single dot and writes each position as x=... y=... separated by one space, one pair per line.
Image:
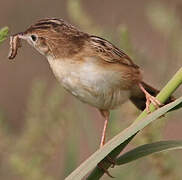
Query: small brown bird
x=89 y=67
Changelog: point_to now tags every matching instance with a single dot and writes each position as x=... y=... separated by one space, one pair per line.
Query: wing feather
x=109 y=52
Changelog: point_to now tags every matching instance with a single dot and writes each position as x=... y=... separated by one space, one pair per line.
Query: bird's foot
x=111 y=161
x=105 y=170
x=150 y=99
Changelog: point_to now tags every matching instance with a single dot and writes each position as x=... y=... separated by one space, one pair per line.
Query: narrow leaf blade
x=148 y=149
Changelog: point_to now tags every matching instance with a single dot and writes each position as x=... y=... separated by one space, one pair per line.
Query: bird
x=89 y=67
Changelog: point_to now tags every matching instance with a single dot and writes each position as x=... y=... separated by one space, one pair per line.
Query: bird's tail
x=138 y=97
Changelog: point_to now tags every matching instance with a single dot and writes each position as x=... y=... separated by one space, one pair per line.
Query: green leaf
x=92 y=161
x=148 y=149
x=3 y=33
x=176 y=107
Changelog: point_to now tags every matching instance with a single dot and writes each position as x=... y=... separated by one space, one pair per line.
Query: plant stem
x=164 y=94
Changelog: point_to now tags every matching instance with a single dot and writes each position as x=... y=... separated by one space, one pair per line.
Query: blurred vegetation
x=3 y=34
x=58 y=131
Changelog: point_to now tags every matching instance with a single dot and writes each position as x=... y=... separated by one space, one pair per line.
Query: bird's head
x=51 y=37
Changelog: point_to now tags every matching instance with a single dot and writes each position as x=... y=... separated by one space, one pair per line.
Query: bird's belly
x=90 y=84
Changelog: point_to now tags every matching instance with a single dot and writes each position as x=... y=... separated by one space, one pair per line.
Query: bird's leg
x=105 y=114
x=149 y=99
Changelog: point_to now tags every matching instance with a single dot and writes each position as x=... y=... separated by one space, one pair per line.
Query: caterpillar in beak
x=14 y=45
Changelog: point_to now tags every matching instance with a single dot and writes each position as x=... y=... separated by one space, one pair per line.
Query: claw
x=150 y=99
x=111 y=161
x=99 y=165
x=153 y=100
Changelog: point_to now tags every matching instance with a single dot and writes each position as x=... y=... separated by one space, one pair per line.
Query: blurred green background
x=45 y=133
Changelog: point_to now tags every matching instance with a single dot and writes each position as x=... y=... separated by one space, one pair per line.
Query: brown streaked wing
x=109 y=52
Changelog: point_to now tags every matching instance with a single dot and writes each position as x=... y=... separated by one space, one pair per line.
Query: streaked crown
x=55 y=37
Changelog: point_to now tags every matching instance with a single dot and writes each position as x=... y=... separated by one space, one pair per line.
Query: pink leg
x=149 y=99
x=105 y=114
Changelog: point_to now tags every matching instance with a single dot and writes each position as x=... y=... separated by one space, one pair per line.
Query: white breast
x=89 y=82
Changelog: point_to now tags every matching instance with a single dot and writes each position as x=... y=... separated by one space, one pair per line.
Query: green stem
x=164 y=94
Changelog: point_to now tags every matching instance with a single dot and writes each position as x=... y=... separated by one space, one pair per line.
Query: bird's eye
x=34 y=37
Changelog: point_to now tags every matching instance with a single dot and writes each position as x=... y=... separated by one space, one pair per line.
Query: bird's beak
x=21 y=35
